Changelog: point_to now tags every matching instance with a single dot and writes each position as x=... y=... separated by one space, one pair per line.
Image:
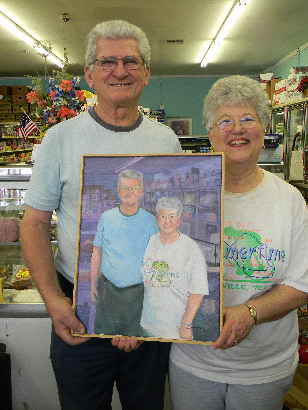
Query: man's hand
x=65 y=321
x=126 y=343
x=237 y=326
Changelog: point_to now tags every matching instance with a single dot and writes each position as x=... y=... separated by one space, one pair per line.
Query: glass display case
x=17 y=286
x=295 y=143
x=277 y=123
x=289 y=123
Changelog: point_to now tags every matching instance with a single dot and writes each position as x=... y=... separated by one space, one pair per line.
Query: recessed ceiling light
x=175 y=41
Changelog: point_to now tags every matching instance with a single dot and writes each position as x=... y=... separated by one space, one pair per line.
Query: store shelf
x=13 y=151
x=293 y=104
x=13 y=148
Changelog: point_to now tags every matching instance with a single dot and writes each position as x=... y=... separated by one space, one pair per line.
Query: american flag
x=26 y=127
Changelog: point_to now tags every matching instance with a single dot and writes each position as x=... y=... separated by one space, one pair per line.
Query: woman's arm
x=95 y=273
x=192 y=304
x=272 y=305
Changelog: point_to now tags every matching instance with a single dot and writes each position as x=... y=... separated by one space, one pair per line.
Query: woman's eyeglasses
x=247 y=122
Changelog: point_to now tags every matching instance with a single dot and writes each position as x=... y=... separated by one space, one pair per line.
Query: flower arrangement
x=61 y=101
x=303 y=85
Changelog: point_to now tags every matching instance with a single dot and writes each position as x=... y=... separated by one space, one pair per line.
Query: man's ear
x=147 y=75
x=88 y=76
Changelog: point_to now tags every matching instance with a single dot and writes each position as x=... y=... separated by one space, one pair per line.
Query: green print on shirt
x=157 y=277
x=253 y=260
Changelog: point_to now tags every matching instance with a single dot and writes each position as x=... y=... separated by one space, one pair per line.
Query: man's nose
x=120 y=69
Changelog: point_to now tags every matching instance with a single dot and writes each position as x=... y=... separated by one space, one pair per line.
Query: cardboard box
x=296 y=70
x=5 y=108
x=19 y=89
x=5 y=89
x=19 y=108
x=270 y=88
x=19 y=99
x=266 y=77
x=7 y=117
x=297 y=396
x=17 y=116
x=5 y=99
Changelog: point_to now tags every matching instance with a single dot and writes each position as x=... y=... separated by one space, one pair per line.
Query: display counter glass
x=18 y=294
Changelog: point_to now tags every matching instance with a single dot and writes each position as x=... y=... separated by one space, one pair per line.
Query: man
x=116 y=282
x=117 y=67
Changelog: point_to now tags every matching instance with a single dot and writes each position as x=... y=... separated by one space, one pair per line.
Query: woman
x=252 y=363
x=174 y=275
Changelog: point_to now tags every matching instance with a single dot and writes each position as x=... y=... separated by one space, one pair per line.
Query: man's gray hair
x=117 y=29
x=131 y=174
x=234 y=90
x=168 y=204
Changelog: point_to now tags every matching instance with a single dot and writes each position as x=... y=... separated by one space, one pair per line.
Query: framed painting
x=181 y=126
x=149 y=247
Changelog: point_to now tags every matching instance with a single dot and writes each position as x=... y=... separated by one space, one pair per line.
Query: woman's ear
x=209 y=133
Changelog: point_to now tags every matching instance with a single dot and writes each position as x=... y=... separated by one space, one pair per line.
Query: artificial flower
x=303 y=85
x=60 y=102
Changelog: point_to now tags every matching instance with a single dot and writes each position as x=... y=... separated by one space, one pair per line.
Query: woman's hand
x=237 y=326
x=185 y=332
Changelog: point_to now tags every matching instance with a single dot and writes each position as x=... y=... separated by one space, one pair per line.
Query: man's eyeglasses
x=111 y=63
x=247 y=122
x=130 y=188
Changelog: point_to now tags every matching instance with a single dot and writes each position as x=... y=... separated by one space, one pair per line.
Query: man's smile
x=120 y=85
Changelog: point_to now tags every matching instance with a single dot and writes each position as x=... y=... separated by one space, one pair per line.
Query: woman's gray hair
x=169 y=203
x=130 y=174
x=117 y=29
x=234 y=90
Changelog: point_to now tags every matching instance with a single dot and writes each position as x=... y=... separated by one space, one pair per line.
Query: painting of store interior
x=187 y=188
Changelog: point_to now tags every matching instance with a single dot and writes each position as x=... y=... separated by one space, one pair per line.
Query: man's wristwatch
x=253 y=312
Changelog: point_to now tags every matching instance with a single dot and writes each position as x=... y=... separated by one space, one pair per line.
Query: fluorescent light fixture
x=234 y=14
x=19 y=32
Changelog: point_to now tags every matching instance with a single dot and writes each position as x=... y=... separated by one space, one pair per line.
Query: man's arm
x=96 y=259
x=192 y=304
x=272 y=305
x=38 y=255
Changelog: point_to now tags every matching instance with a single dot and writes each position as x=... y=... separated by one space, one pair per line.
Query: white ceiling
x=266 y=32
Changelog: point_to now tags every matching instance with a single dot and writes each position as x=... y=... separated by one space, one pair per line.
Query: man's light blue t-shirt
x=123 y=239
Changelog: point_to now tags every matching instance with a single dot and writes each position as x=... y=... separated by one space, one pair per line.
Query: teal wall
x=181 y=96
x=283 y=70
